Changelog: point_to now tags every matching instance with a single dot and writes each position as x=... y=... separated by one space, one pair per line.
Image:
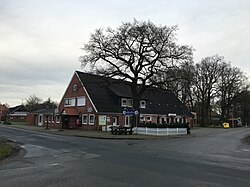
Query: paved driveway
x=214 y=157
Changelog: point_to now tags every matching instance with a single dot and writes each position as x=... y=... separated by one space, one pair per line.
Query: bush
x=7 y=123
x=5 y=150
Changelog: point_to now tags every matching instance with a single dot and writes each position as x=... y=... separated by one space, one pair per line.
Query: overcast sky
x=40 y=40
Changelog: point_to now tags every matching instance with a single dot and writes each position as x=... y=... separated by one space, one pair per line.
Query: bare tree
x=230 y=85
x=32 y=102
x=243 y=102
x=206 y=78
x=180 y=81
x=139 y=52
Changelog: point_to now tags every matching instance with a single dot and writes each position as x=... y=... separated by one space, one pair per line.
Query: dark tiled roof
x=106 y=94
x=19 y=108
x=163 y=102
x=45 y=111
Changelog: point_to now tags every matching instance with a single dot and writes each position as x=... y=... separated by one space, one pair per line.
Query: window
x=128 y=120
x=124 y=102
x=130 y=102
x=127 y=102
x=184 y=120
x=46 y=118
x=142 y=104
x=142 y=118
x=180 y=120
x=40 y=119
x=74 y=87
x=22 y=117
x=149 y=119
x=176 y=120
x=168 y=120
x=81 y=101
x=163 y=120
x=57 y=119
x=91 y=119
x=84 y=119
x=69 y=102
x=53 y=119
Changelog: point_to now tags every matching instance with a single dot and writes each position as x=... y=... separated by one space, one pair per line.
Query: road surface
x=214 y=157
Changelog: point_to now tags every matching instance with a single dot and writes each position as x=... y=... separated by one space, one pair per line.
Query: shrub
x=7 y=123
x=5 y=150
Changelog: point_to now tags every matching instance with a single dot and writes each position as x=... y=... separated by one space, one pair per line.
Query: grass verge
x=5 y=149
x=247 y=139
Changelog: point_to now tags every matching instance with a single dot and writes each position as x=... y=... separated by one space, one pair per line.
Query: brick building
x=3 y=112
x=91 y=101
x=17 y=114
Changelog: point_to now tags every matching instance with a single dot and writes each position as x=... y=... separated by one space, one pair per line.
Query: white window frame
x=115 y=121
x=149 y=118
x=129 y=102
x=40 y=120
x=91 y=122
x=142 y=118
x=127 y=121
x=124 y=102
x=180 y=120
x=71 y=102
x=75 y=87
x=83 y=101
x=176 y=120
x=53 y=119
x=168 y=120
x=142 y=104
x=85 y=123
x=57 y=119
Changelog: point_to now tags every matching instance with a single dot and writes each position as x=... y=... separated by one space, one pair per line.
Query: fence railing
x=160 y=131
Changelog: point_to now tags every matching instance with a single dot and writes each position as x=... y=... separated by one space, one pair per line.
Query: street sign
x=130 y=112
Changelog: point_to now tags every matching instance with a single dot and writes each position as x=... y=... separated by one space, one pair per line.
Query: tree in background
x=243 y=103
x=180 y=81
x=230 y=84
x=49 y=104
x=34 y=103
x=139 y=52
x=207 y=74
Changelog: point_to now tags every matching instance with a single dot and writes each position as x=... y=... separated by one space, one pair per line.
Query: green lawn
x=5 y=150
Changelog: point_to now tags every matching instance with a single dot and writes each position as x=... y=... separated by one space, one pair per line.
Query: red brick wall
x=31 y=119
x=69 y=93
x=17 y=119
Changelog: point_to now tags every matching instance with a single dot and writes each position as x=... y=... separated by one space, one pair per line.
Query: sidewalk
x=93 y=134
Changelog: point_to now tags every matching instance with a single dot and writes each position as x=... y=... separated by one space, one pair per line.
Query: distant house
x=91 y=100
x=215 y=118
x=3 y=112
x=17 y=114
x=44 y=117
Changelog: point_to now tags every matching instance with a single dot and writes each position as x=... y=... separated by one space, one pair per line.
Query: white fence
x=160 y=131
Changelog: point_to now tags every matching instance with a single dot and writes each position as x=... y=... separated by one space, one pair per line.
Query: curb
x=57 y=132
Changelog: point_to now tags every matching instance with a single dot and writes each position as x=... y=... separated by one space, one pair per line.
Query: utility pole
x=1 y=111
x=232 y=115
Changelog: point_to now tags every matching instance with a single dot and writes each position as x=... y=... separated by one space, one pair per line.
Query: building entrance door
x=115 y=121
x=40 y=120
x=128 y=120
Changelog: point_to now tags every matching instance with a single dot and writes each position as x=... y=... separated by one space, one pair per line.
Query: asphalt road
x=214 y=157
